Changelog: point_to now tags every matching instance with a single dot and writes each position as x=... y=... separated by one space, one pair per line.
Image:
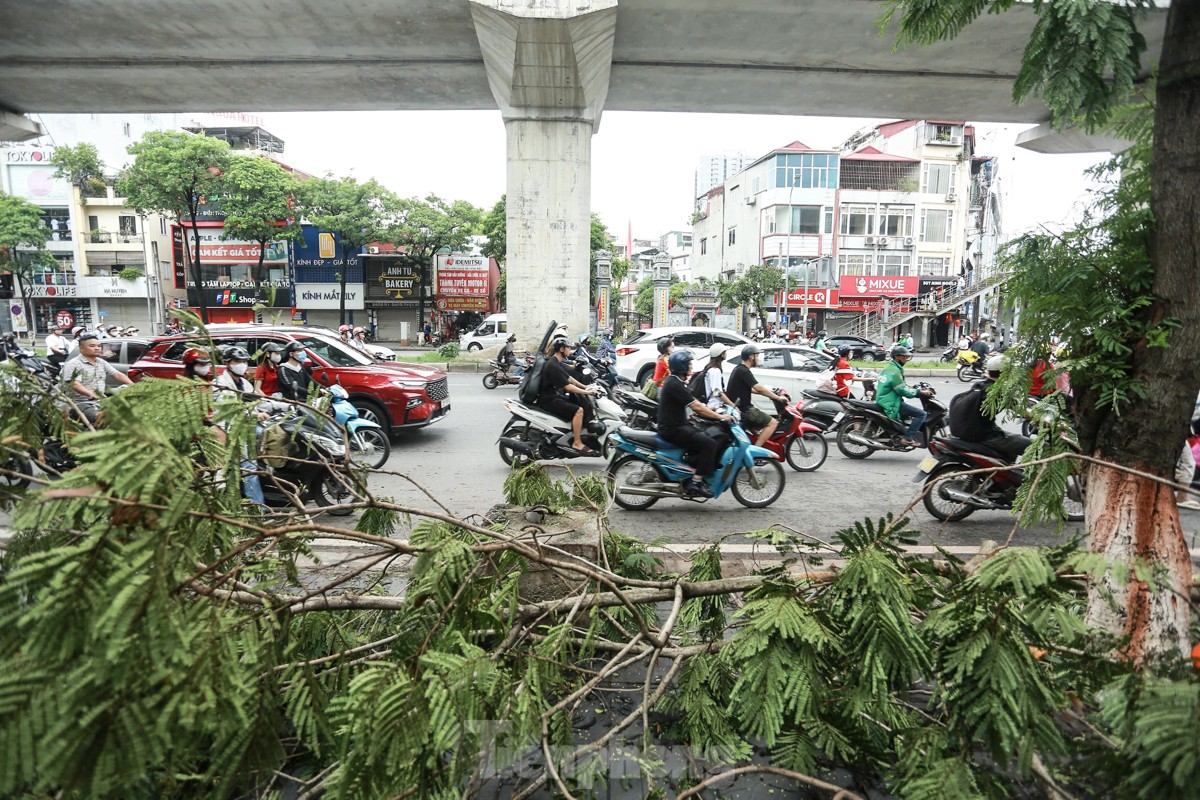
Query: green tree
x=257 y=200
x=81 y=166
x=643 y=300
x=173 y=173
x=23 y=237
x=495 y=228
x=1084 y=59
x=352 y=210
x=752 y=289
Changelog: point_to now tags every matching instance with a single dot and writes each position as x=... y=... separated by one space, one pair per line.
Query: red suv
x=398 y=396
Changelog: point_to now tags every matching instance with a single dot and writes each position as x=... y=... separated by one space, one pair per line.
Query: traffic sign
x=64 y=319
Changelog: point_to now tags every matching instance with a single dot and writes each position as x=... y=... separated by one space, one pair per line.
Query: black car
x=860 y=349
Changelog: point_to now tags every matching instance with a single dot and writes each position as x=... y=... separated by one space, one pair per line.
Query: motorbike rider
x=714 y=378
x=607 y=348
x=971 y=422
x=57 y=346
x=555 y=380
x=891 y=390
x=507 y=357
x=819 y=340
x=360 y=338
x=293 y=375
x=197 y=365
x=232 y=383
x=266 y=377
x=665 y=348
x=674 y=401
x=346 y=334
x=85 y=376
x=981 y=347
x=742 y=384
x=843 y=375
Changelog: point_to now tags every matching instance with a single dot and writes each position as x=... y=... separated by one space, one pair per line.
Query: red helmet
x=344 y=329
x=194 y=356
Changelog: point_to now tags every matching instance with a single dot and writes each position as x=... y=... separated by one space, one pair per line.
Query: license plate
x=445 y=406
x=927 y=464
x=838 y=417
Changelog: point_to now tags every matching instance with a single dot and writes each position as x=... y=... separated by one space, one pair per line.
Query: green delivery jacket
x=890 y=389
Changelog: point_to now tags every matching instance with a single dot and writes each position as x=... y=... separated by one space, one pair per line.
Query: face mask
x=203 y=369
x=276 y=358
x=239 y=369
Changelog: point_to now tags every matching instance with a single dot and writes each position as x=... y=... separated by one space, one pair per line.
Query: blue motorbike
x=645 y=468
x=369 y=443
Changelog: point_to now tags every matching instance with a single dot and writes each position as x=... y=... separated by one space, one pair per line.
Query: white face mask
x=239 y=369
x=276 y=358
x=203 y=369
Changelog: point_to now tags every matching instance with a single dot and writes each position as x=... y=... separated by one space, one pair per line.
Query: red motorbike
x=798 y=442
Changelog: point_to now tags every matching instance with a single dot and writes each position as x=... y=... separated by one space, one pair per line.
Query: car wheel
x=473 y=346
x=645 y=374
x=867 y=357
x=372 y=412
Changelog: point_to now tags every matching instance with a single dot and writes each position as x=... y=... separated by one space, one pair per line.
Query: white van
x=492 y=332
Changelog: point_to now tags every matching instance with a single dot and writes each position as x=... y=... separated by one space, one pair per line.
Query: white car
x=635 y=358
x=790 y=367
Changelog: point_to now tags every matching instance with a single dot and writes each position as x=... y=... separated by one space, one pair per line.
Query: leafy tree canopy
x=173 y=171
x=423 y=227
x=346 y=207
x=495 y=227
x=80 y=165
x=257 y=198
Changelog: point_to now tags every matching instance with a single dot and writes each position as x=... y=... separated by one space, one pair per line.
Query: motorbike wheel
x=807 y=452
x=1073 y=505
x=489 y=381
x=369 y=447
x=17 y=472
x=328 y=490
x=631 y=471
x=943 y=508
x=520 y=432
x=864 y=428
x=966 y=374
x=770 y=472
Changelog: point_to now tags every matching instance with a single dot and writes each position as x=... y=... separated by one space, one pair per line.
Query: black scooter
x=312 y=466
x=867 y=427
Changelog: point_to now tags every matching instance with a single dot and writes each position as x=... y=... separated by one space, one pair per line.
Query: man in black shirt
x=674 y=400
x=742 y=384
x=970 y=422
x=554 y=379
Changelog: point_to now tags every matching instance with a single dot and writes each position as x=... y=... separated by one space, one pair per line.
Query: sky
x=643 y=164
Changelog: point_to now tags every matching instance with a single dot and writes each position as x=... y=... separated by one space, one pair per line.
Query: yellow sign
x=326 y=246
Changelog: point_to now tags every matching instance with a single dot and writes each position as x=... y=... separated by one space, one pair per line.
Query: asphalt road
x=458 y=461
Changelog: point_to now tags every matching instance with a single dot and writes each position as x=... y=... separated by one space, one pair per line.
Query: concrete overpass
x=550 y=66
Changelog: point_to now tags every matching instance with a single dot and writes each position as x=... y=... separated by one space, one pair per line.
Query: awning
x=115 y=258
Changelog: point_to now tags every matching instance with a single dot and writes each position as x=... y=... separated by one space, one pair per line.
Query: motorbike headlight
x=332 y=446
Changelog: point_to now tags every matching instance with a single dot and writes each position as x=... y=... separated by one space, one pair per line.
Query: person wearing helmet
x=819 y=341
x=57 y=346
x=743 y=384
x=674 y=401
x=359 y=339
x=197 y=365
x=666 y=346
x=971 y=422
x=232 y=384
x=507 y=357
x=293 y=375
x=606 y=348
x=86 y=374
x=891 y=391
x=346 y=333
x=981 y=347
x=557 y=386
x=714 y=378
x=843 y=375
x=266 y=376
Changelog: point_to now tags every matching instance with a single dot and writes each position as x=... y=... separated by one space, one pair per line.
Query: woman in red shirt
x=665 y=348
x=842 y=374
x=266 y=377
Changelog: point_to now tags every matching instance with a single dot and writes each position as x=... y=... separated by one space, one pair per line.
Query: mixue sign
x=878 y=285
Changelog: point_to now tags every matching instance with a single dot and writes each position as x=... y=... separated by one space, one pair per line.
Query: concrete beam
x=1045 y=139
x=17 y=128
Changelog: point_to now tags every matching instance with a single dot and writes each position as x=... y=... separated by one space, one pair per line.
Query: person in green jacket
x=890 y=391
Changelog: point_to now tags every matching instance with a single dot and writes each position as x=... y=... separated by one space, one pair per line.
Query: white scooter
x=533 y=434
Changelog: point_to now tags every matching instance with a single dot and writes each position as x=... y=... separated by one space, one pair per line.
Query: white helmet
x=717 y=350
x=995 y=364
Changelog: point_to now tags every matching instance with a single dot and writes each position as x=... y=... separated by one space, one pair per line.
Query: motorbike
x=867 y=427
x=645 y=468
x=794 y=439
x=951 y=495
x=312 y=466
x=970 y=366
x=369 y=443
x=498 y=375
x=827 y=410
x=950 y=354
x=641 y=412
x=538 y=435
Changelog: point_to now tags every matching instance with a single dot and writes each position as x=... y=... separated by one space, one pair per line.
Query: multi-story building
x=712 y=171
x=678 y=245
x=864 y=231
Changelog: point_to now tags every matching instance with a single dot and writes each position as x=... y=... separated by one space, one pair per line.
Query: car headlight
x=409 y=383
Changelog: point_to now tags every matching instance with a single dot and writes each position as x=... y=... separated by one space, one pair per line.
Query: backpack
x=825 y=381
x=531 y=382
x=966 y=419
x=697 y=387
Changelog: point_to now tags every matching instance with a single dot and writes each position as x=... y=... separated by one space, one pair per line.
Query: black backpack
x=531 y=382
x=965 y=414
x=697 y=388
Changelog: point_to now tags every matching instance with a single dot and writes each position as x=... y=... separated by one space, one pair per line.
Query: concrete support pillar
x=923 y=338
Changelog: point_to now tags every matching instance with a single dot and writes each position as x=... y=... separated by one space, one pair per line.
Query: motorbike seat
x=970 y=447
x=817 y=394
x=647 y=438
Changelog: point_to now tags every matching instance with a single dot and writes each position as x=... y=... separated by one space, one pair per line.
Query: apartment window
x=893 y=265
x=756 y=185
x=58 y=220
x=162 y=225
x=803 y=219
x=937 y=225
x=939 y=178
x=127 y=225
x=829 y=220
x=854 y=264
x=806 y=170
x=896 y=222
x=704 y=246
x=934 y=266
x=858 y=220
x=93 y=222
x=125 y=128
x=733 y=235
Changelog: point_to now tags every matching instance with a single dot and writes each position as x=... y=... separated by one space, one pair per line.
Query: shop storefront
x=464 y=290
x=395 y=284
x=232 y=283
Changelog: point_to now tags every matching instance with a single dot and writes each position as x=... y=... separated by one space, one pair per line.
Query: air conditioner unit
x=750 y=199
x=373 y=250
x=869 y=240
x=908 y=241
x=956 y=140
x=951 y=197
x=883 y=241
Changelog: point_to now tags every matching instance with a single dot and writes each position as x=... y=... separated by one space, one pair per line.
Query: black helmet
x=271 y=347
x=845 y=350
x=750 y=350
x=561 y=342
x=822 y=334
x=900 y=351
x=235 y=353
x=665 y=343
x=680 y=362
x=292 y=347
x=512 y=338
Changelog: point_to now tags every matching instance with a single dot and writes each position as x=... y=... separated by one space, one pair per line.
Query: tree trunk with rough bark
x=1131 y=518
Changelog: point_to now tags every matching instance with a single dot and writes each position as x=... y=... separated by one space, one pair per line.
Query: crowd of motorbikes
x=319 y=454
x=643 y=468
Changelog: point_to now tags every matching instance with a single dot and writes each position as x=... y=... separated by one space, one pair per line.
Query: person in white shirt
x=57 y=346
x=714 y=379
x=86 y=374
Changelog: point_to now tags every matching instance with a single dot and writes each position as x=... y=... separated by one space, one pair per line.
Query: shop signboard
x=310 y=296
x=230 y=274
x=876 y=286
x=392 y=278
x=817 y=298
x=57 y=290
x=112 y=287
x=462 y=304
